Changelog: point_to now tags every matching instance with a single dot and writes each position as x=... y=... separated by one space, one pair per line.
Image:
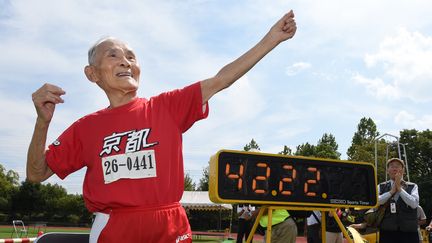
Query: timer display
x=260 y=178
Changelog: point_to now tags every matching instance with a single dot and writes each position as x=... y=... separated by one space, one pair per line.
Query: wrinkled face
x=395 y=168
x=115 y=67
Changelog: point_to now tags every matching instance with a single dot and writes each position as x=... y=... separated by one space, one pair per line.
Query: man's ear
x=90 y=72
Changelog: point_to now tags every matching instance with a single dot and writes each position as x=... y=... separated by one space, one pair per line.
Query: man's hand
x=284 y=29
x=397 y=185
x=45 y=99
x=398 y=180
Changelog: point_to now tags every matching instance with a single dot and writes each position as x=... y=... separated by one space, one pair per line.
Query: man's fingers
x=289 y=27
x=53 y=89
x=290 y=14
x=47 y=97
x=49 y=92
x=289 y=23
x=54 y=98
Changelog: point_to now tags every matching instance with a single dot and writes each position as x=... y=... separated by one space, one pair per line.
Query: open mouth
x=124 y=74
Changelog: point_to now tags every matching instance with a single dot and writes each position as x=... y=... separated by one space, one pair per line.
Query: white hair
x=92 y=50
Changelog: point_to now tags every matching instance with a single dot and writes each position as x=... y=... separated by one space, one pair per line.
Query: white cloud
x=406 y=60
x=40 y=61
x=356 y=25
x=297 y=68
x=377 y=87
x=409 y=120
x=241 y=102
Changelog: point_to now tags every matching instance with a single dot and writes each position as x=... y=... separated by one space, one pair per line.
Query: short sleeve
x=64 y=155
x=185 y=105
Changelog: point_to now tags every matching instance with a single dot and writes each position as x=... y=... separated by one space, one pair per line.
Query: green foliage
x=9 y=181
x=3 y=217
x=305 y=149
x=28 y=200
x=47 y=202
x=363 y=146
x=327 y=147
x=74 y=219
x=419 y=157
x=363 y=140
x=286 y=151
x=202 y=220
x=252 y=145
x=189 y=185
x=419 y=152
x=204 y=181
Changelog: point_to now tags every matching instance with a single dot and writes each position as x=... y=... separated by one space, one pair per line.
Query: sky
x=348 y=60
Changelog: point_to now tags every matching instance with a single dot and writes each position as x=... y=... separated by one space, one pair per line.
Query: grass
x=209 y=239
x=6 y=231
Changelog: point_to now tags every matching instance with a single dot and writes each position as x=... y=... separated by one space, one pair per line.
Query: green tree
x=363 y=147
x=86 y=216
x=305 y=149
x=51 y=194
x=252 y=145
x=286 y=151
x=363 y=142
x=189 y=185
x=28 y=200
x=204 y=181
x=418 y=145
x=69 y=204
x=8 y=188
x=327 y=147
x=418 y=152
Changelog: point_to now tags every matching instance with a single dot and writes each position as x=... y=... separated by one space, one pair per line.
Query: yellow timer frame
x=274 y=179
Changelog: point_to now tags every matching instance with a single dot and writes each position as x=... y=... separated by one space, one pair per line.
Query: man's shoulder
x=409 y=183
x=190 y=88
x=91 y=117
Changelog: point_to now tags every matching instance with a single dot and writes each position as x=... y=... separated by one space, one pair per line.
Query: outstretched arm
x=284 y=29
x=44 y=100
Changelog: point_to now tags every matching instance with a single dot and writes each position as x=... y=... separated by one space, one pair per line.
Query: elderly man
x=133 y=148
x=400 y=219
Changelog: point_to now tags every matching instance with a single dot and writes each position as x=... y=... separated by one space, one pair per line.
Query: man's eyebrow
x=115 y=49
x=130 y=52
x=111 y=50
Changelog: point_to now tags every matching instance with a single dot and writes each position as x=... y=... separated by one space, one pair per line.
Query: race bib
x=136 y=165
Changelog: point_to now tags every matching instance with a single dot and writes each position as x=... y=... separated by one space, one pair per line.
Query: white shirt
x=411 y=200
x=247 y=211
x=311 y=220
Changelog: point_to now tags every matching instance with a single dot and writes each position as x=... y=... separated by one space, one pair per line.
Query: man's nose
x=124 y=62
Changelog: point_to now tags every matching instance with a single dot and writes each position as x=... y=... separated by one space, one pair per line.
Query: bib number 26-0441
x=136 y=165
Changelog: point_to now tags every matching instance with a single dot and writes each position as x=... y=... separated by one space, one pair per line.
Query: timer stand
x=270 y=209
x=292 y=183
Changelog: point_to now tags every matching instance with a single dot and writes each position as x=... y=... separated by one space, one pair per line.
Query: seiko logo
x=337 y=201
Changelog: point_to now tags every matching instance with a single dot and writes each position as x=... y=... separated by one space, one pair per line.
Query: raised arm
x=44 y=100
x=284 y=29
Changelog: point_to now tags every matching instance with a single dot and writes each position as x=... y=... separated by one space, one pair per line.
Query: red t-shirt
x=133 y=153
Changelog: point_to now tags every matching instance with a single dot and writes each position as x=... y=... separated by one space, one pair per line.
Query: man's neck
x=122 y=99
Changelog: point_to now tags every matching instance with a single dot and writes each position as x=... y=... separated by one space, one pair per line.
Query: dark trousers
x=243 y=230
x=313 y=233
x=398 y=237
